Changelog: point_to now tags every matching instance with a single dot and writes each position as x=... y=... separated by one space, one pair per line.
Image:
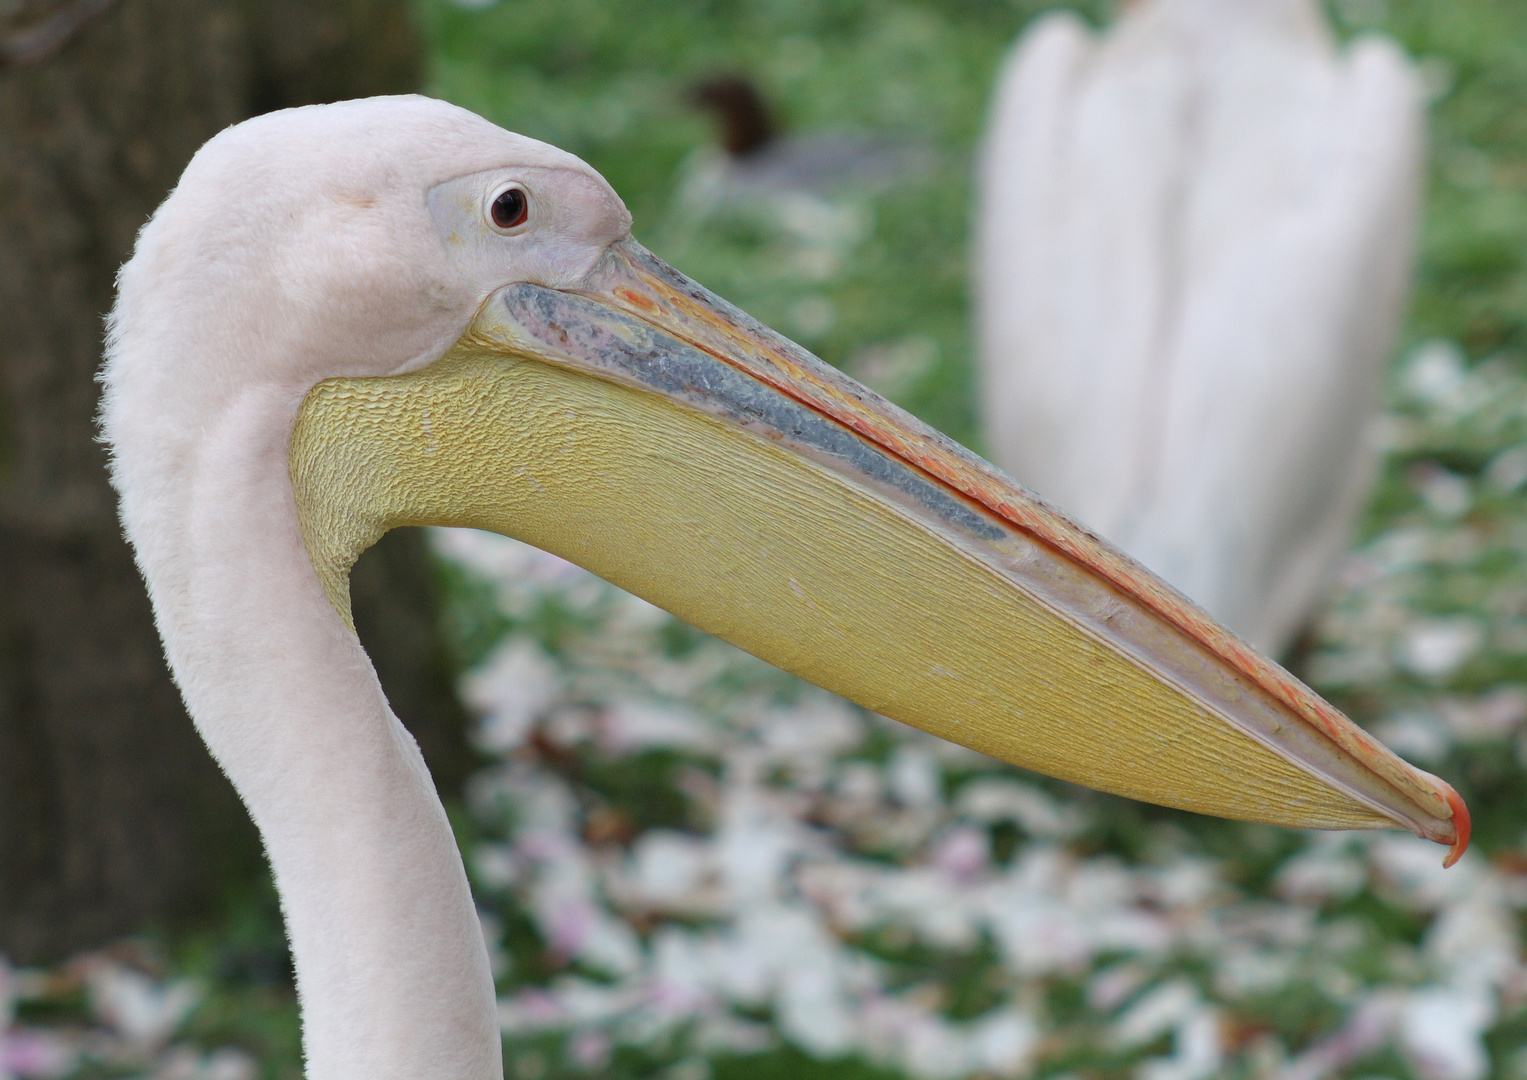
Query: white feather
x=1195 y=239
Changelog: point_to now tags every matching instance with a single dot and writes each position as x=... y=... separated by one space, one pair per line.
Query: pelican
x=1195 y=239
x=391 y=312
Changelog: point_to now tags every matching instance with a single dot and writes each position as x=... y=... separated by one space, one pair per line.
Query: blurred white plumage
x=1194 y=244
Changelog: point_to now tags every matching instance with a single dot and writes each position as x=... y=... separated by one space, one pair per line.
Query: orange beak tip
x=1461 y=825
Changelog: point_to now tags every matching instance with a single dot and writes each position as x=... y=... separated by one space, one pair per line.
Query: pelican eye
x=510 y=208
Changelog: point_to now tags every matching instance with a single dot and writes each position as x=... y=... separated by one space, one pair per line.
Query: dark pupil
x=509 y=208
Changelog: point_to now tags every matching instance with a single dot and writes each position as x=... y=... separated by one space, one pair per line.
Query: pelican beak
x=646 y=429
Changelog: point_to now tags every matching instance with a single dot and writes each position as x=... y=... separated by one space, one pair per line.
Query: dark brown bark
x=112 y=815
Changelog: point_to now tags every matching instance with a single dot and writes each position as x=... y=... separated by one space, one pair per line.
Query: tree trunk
x=112 y=815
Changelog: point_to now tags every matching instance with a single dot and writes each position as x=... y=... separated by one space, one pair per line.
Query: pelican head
x=352 y=317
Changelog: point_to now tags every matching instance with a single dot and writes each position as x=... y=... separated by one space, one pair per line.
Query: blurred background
x=689 y=865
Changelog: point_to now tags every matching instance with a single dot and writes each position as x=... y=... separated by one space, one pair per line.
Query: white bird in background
x=390 y=312
x=1195 y=241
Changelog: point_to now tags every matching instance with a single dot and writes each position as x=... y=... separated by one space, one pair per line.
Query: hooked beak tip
x=1462 y=825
